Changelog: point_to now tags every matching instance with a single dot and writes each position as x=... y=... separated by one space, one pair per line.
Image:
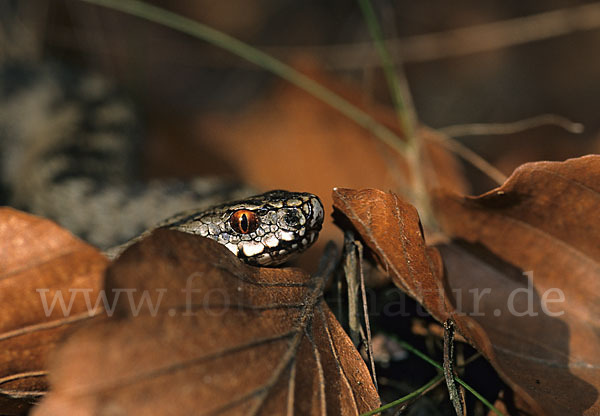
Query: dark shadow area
x=531 y=348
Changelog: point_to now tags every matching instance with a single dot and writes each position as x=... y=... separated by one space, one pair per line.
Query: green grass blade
x=422 y=356
x=265 y=61
x=406 y=398
x=417 y=194
x=389 y=69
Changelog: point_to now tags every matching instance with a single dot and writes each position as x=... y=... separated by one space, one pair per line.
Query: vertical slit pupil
x=244 y=223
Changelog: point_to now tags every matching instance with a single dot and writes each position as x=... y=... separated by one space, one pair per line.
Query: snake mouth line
x=284 y=252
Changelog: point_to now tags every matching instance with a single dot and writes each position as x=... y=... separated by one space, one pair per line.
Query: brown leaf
x=390 y=227
x=38 y=262
x=541 y=221
x=544 y=222
x=224 y=337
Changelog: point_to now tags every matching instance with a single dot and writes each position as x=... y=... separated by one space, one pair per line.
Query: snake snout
x=317 y=213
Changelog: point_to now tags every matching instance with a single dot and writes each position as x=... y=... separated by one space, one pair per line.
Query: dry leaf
x=391 y=229
x=39 y=261
x=532 y=242
x=540 y=221
x=224 y=337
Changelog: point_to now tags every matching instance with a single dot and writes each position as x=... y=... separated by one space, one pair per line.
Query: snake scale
x=69 y=145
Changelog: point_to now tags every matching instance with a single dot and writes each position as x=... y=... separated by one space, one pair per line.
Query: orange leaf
x=39 y=261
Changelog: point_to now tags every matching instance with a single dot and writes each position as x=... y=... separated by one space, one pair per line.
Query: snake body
x=68 y=149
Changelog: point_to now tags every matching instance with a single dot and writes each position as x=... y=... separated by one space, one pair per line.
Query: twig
x=363 y=291
x=486 y=129
x=471 y=157
x=456 y=397
x=350 y=269
x=483 y=129
x=458 y=42
x=424 y=357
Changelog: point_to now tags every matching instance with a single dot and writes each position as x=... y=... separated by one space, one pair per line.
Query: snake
x=70 y=146
x=262 y=230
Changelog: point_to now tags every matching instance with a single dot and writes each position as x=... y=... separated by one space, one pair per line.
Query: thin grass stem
x=217 y=38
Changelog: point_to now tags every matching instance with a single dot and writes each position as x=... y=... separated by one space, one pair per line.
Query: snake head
x=263 y=230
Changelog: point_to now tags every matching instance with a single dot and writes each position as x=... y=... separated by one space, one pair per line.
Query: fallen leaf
x=391 y=229
x=39 y=262
x=222 y=337
x=541 y=221
x=532 y=242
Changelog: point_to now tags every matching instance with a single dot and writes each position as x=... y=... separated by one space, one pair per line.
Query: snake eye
x=243 y=221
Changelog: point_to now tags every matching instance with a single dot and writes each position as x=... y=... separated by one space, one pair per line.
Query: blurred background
x=504 y=68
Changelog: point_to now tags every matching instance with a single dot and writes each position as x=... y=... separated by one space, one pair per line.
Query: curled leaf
x=391 y=229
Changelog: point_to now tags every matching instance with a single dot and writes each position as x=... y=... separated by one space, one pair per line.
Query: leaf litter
x=519 y=275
